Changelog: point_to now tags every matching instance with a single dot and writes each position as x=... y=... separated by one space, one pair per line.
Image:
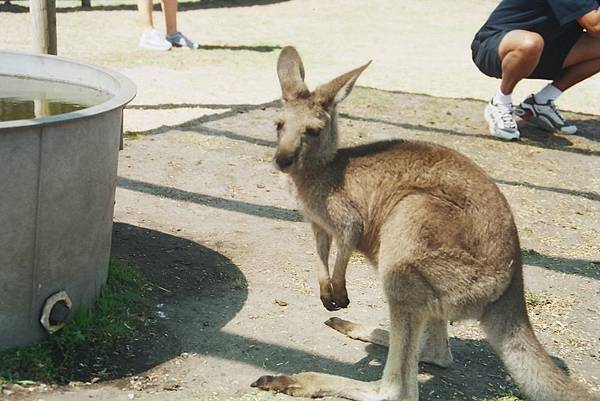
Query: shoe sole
x=500 y=134
x=180 y=46
x=164 y=49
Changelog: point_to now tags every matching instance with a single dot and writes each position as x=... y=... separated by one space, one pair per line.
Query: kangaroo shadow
x=476 y=373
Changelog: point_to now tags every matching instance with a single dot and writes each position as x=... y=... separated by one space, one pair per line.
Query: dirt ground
x=203 y=214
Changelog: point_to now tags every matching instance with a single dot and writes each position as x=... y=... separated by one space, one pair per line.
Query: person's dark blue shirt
x=549 y=18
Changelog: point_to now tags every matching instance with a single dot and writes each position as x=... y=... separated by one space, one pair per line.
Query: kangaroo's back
x=375 y=178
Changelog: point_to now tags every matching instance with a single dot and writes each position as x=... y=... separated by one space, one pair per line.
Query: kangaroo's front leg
x=348 y=235
x=323 y=240
x=332 y=287
x=338 y=279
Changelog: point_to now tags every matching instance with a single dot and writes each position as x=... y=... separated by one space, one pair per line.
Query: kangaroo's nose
x=284 y=161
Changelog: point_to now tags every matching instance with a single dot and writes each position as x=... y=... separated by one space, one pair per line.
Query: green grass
x=83 y=349
x=533 y=299
x=510 y=392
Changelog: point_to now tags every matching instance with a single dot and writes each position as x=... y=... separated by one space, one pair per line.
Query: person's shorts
x=484 y=50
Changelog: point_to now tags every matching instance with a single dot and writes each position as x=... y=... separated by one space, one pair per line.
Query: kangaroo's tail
x=509 y=332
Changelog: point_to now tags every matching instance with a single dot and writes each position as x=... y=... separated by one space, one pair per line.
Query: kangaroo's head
x=306 y=127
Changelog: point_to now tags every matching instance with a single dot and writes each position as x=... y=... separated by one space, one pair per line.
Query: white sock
x=501 y=98
x=549 y=92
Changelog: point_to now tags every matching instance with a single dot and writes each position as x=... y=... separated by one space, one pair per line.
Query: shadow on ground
x=589 y=125
x=195 y=291
x=177 y=271
x=198 y=290
x=183 y=6
x=196 y=314
x=258 y=48
x=530 y=136
x=581 y=267
x=253 y=209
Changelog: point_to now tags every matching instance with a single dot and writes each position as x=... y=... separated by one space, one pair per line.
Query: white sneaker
x=501 y=120
x=155 y=40
x=178 y=39
x=545 y=116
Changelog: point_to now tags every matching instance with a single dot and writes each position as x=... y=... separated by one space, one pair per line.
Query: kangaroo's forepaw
x=333 y=305
x=342 y=300
x=333 y=297
x=329 y=304
x=340 y=294
x=277 y=384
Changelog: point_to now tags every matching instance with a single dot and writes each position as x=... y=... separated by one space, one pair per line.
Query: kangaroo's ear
x=291 y=74
x=339 y=88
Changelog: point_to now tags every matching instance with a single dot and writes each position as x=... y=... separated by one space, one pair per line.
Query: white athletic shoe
x=178 y=39
x=545 y=116
x=155 y=40
x=501 y=120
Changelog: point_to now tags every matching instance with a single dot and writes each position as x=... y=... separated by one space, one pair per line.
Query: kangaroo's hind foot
x=435 y=349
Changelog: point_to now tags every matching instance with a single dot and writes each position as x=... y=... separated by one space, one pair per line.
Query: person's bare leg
x=520 y=53
x=145 y=11
x=170 y=11
x=582 y=62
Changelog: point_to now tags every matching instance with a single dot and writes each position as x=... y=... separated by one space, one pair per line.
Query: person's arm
x=591 y=22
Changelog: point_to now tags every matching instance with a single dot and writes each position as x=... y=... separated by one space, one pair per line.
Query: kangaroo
x=436 y=227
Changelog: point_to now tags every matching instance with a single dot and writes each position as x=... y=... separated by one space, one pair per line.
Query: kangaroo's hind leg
x=399 y=381
x=434 y=345
x=435 y=348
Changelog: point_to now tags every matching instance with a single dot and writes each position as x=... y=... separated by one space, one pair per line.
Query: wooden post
x=41 y=107
x=86 y=3
x=43 y=18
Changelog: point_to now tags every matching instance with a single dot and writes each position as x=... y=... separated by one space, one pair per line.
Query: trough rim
x=125 y=93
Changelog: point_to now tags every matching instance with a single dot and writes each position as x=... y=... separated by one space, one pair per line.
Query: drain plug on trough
x=56 y=312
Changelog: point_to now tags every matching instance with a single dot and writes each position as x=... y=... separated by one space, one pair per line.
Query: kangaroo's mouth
x=285 y=162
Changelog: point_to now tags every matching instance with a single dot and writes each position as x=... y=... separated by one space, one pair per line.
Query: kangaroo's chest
x=313 y=206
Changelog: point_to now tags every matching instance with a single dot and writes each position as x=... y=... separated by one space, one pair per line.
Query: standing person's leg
x=151 y=38
x=175 y=37
x=580 y=60
x=145 y=12
x=169 y=8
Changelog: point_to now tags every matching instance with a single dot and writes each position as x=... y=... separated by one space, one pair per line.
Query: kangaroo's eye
x=279 y=125
x=312 y=132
